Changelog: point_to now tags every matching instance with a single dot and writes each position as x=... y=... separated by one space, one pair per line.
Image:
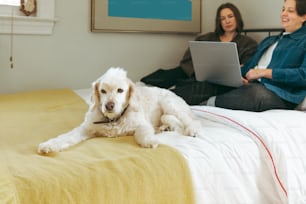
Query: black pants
x=195 y=92
x=165 y=78
x=250 y=97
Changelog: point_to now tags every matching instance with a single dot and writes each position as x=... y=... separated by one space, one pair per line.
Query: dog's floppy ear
x=131 y=96
x=95 y=96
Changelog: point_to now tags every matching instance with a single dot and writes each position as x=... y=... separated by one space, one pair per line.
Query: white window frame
x=40 y=24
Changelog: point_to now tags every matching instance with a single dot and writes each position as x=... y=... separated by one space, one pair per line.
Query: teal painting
x=180 y=10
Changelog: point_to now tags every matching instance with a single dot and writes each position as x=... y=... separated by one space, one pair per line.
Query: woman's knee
x=251 y=97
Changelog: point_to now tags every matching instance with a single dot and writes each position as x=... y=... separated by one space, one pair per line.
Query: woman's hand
x=244 y=81
x=254 y=74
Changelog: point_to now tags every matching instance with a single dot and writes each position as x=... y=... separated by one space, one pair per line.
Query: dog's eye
x=120 y=90
x=103 y=91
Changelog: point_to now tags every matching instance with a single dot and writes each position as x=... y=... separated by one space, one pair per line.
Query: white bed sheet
x=244 y=157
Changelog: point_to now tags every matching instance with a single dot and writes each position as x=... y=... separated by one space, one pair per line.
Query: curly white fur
x=119 y=108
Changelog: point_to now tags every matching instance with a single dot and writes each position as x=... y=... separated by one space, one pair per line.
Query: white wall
x=73 y=56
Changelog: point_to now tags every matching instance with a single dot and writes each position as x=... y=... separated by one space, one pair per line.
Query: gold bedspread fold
x=100 y=170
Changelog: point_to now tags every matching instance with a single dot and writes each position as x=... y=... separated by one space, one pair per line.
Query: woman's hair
x=300 y=8
x=218 y=29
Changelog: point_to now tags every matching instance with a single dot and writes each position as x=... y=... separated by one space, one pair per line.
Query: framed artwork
x=156 y=16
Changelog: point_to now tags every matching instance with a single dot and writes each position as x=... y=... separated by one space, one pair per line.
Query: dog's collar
x=107 y=120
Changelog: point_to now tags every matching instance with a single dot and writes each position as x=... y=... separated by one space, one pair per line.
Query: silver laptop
x=216 y=62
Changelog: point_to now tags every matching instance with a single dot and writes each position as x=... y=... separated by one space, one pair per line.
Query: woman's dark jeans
x=250 y=97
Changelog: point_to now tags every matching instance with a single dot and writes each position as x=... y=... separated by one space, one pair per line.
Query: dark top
x=246 y=48
x=288 y=65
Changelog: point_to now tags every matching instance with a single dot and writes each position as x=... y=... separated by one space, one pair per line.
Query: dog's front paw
x=148 y=142
x=48 y=147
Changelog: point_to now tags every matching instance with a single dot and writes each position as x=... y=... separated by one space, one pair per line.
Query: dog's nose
x=110 y=106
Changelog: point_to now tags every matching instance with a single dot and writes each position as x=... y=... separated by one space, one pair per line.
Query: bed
x=240 y=157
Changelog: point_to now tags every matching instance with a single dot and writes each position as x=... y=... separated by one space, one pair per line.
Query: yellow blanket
x=100 y=170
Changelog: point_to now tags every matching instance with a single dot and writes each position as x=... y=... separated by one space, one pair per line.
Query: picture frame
x=140 y=16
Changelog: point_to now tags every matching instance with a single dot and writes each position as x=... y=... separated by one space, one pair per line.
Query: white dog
x=119 y=108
